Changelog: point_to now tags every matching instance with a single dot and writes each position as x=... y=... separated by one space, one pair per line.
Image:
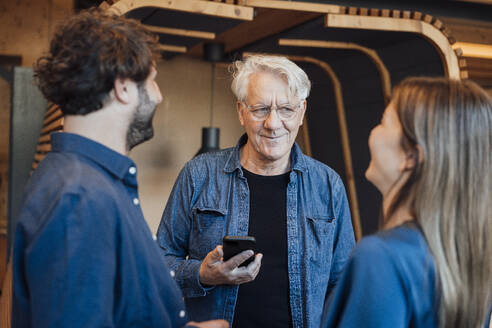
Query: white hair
x=297 y=80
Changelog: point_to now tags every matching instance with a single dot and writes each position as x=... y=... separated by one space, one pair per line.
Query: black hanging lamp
x=212 y=52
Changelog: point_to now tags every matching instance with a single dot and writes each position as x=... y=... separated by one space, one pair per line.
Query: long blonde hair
x=450 y=190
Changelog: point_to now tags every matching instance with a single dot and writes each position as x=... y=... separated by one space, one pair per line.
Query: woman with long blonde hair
x=431 y=265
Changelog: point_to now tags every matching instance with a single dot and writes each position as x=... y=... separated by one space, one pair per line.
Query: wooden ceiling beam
x=181 y=32
x=210 y=8
x=475 y=50
x=294 y=5
x=172 y=48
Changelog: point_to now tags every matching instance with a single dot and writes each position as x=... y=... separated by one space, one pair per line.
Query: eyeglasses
x=284 y=112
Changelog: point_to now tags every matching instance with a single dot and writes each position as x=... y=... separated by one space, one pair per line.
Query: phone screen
x=233 y=245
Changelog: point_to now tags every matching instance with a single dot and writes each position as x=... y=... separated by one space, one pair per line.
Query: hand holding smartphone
x=233 y=245
x=217 y=268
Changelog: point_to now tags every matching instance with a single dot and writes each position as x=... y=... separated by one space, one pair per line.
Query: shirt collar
x=112 y=161
x=298 y=162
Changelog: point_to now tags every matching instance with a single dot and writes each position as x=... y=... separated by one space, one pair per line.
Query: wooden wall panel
x=5 y=299
x=26 y=26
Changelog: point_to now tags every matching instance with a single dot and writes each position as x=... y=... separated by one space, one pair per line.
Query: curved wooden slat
x=475 y=50
x=294 y=5
x=342 y=122
x=51 y=109
x=53 y=126
x=44 y=138
x=429 y=31
x=372 y=54
x=43 y=148
x=53 y=121
x=53 y=117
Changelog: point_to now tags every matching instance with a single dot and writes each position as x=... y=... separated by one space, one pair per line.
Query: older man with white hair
x=295 y=207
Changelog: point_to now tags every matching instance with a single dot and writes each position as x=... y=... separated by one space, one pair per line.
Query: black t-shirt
x=264 y=302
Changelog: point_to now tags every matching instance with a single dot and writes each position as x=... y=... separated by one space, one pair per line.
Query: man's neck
x=102 y=126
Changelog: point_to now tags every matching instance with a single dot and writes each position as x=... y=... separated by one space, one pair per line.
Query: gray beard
x=141 y=129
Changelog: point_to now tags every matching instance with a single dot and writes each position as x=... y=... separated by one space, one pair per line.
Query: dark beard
x=141 y=129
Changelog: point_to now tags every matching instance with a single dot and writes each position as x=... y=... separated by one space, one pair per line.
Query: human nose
x=273 y=121
x=159 y=97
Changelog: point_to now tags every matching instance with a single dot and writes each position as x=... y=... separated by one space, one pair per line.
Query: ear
x=122 y=90
x=303 y=110
x=409 y=163
x=240 y=112
x=411 y=158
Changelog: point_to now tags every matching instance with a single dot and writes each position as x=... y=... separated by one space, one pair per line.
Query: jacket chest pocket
x=320 y=235
x=208 y=229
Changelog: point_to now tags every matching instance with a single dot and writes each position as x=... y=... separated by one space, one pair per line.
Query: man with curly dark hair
x=83 y=253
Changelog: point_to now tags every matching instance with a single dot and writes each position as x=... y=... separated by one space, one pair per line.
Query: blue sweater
x=388 y=282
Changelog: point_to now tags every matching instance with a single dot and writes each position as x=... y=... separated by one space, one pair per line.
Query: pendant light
x=212 y=52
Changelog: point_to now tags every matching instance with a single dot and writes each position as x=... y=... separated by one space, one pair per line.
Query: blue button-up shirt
x=210 y=199
x=83 y=254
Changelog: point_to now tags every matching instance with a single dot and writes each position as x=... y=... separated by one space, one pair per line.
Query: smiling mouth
x=272 y=137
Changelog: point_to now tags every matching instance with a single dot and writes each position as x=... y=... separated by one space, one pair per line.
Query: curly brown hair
x=87 y=53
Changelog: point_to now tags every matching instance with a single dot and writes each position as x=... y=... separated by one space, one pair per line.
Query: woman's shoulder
x=401 y=241
x=402 y=249
x=385 y=283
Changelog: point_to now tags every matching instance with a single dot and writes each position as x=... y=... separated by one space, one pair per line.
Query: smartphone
x=233 y=245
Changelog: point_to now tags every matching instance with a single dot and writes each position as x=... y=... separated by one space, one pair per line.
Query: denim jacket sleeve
x=344 y=241
x=173 y=235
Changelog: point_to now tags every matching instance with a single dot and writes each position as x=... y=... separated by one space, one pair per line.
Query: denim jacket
x=210 y=199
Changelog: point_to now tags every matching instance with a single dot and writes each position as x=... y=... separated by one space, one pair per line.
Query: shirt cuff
x=193 y=287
